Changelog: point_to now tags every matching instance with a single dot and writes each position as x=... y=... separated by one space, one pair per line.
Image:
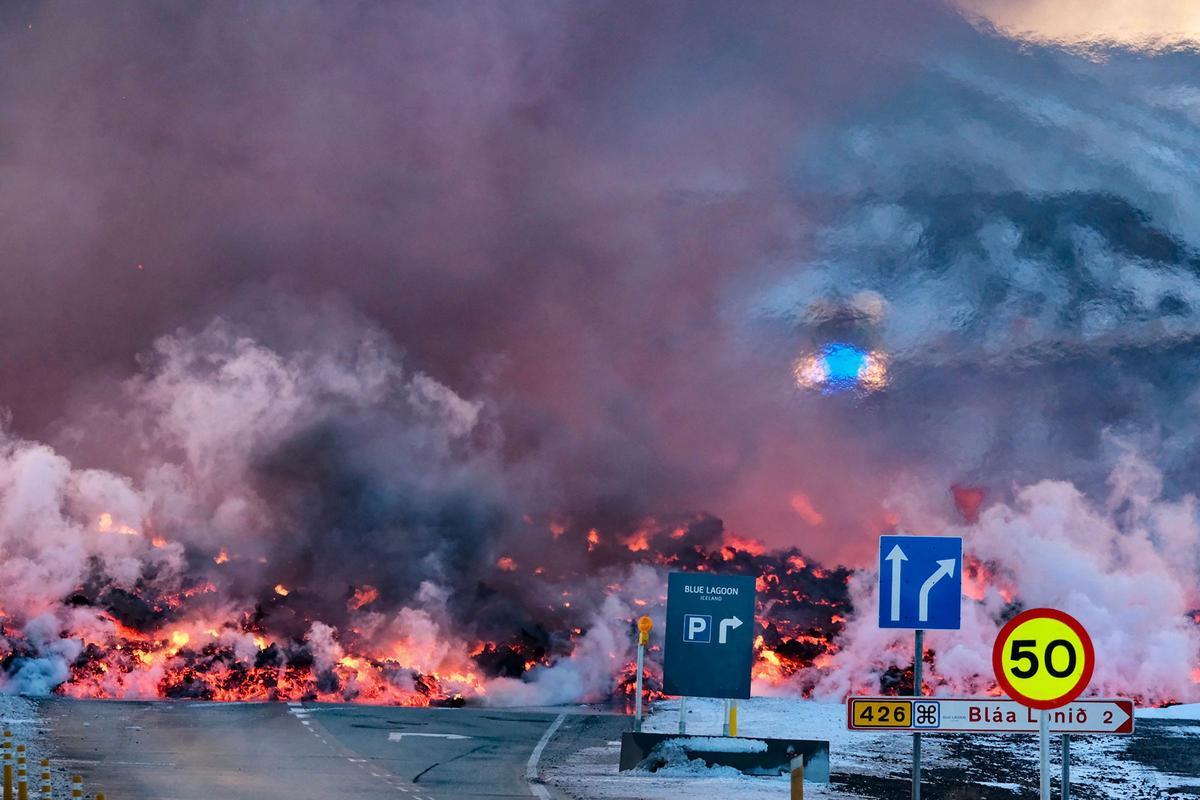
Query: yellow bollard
x=22 y=775
x=8 y=770
x=733 y=717
x=46 y=790
x=798 y=778
x=99 y=795
x=76 y=786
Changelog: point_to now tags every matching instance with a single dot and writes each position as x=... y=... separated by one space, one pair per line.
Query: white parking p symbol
x=697 y=628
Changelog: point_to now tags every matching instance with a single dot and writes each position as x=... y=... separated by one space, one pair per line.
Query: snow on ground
x=1161 y=760
x=1186 y=711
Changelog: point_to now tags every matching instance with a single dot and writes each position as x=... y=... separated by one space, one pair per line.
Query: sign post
x=1044 y=753
x=1043 y=659
x=920 y=587
x=918 y=682
x=1066 y=766
x=645 y=625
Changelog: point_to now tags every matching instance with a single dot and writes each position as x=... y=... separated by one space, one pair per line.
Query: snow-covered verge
x=1187 y=711
x=1161 y=760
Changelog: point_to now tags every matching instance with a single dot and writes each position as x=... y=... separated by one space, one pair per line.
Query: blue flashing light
x=843 y=364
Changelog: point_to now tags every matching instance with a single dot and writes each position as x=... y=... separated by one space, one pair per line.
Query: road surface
x=277 y=751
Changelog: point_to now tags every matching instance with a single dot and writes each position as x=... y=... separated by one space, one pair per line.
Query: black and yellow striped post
x=22 y=774
x=46 y=790
x=8 y=767
x=76 y=786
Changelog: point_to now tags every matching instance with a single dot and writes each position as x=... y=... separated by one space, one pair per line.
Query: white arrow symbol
x=1118 y=715
x=733 y=623
x=396 y=736
x=896 y=556
x=945 y=568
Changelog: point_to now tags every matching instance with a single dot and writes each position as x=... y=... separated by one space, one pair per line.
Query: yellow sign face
x=880 y=713
x=1043 y=658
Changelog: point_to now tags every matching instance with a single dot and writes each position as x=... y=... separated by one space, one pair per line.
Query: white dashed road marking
x=298 y=711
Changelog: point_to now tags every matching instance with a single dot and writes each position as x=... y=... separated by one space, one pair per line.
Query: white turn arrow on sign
x=945 y=569
x=396 y=736
x=727 y=625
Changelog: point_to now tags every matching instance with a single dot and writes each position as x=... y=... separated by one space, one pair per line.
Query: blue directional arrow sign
x=920 y=582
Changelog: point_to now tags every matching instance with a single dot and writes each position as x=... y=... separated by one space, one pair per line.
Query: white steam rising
x=1125 y=567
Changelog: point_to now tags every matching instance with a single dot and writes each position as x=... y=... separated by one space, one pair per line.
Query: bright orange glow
x=637 y=541
x=804 y=509
x=185 y=653
x=735 y=543
x=363 y=596
x=106 y=524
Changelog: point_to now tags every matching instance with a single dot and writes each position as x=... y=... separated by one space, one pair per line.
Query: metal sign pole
x=683 y=715
x=918 y=658
x=1044 y=740
x=637 y=714
x=645 y=625
x=1066 y=767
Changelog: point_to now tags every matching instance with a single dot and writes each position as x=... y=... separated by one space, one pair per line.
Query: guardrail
x=16 y=775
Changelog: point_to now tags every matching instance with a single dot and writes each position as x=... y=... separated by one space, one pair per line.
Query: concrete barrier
x=751 y=755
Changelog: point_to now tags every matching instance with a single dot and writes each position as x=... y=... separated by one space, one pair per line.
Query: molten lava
x=287 y=642
x=284 y=644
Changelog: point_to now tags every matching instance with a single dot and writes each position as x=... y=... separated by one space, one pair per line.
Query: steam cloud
x=370 y=295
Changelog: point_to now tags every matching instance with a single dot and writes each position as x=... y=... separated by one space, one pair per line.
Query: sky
x=1146 y=25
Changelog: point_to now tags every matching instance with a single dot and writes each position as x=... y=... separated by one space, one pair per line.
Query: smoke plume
x=395 y=351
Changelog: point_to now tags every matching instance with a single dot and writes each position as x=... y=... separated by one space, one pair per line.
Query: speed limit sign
x=1043 y=658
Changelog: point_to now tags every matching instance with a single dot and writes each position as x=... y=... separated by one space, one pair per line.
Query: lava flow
x=195 y=644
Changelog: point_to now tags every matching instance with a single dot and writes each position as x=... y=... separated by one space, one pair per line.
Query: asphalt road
x=275 y=751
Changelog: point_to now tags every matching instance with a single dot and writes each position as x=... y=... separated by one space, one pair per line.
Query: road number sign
x=984 y=715
x=881 y=713
x=1043 y=658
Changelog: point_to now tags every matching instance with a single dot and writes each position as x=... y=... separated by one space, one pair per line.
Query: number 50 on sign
x=1043 y=658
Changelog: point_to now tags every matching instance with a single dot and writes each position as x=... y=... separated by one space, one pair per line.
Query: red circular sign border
x=1089 y=657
